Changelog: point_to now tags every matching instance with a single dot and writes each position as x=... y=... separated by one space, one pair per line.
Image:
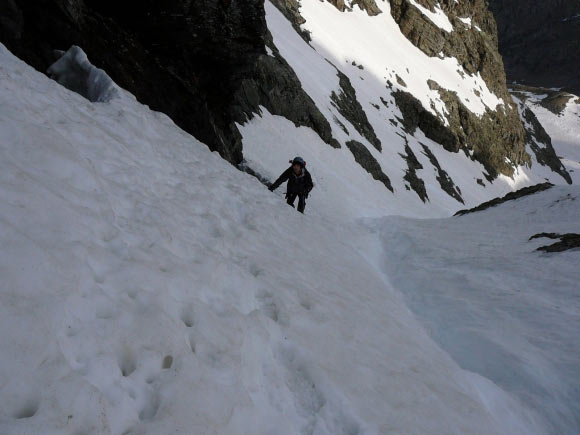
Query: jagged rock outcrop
x=366 y=5
x=474 y=45
x=364 y=158
x=541 y=144
x=511 y=196
x=566 y=242
x=493 y=137
x=349 y=107
x=496 y=135
x=411 y=177
x=540 y=41
x=415 y=115
x=291 y=10
x=442 y=177
x=489 y=141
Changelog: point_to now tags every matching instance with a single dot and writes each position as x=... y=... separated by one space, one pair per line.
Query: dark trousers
x=291 y=197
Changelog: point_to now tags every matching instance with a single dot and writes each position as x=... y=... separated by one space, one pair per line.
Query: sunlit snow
x=438 y=17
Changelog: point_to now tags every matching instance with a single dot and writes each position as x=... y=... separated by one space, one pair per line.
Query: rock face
x=511 y=196
x=540 y=41
x=349 y=107
x=10 y=20
x=364 y=158
x=291 y=10
x=475 y=50
x=366 y=5
x=567 y=242
x=495 y=136
x=414 y=182
x=443 y=178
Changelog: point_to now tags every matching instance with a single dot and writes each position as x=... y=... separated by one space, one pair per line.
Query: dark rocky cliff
x=182 y=57
x=540 y=41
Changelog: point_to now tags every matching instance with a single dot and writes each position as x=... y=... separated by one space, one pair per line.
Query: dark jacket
x=301 y=184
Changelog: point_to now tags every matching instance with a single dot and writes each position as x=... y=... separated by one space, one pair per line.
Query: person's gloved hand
x=271 y=188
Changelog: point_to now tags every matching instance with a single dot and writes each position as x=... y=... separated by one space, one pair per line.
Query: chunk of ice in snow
x=74 y=71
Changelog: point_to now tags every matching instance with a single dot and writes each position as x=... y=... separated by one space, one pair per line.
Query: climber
x=299 y=183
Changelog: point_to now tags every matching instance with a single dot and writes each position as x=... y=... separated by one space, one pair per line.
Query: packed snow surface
x=500 y=308
x=150 y=287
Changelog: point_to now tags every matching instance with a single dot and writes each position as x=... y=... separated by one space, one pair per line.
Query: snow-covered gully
x=147 y=286
x=500 y=308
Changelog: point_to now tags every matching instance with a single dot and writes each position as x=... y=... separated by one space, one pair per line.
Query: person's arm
x=285 y=175
x=309 y=185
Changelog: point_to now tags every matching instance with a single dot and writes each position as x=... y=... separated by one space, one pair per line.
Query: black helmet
x=298 y=160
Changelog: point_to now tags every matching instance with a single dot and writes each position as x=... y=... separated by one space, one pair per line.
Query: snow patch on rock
x=466 y=21
x=438 y=17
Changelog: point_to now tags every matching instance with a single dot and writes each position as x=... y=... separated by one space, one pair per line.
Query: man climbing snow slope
x=299 y=183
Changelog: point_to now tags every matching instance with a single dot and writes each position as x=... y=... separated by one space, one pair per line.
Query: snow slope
x=149 y=287
x=563 y=128
x=372 y=51
x=497 y=306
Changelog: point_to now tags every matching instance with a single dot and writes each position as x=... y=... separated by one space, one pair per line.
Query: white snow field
x=497 y=306
x=149 y=287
